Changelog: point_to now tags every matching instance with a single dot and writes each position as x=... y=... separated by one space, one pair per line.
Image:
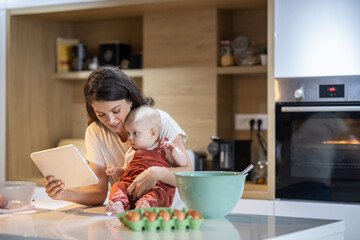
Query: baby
x=143 y=125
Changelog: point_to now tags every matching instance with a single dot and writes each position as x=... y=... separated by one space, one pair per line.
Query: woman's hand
x=54 y=188
x=143 y=183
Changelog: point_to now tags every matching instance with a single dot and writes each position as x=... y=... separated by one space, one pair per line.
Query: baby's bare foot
x=142 y=204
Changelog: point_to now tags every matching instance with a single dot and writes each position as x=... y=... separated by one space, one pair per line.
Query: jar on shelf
x=226 y=54
x=246 y=51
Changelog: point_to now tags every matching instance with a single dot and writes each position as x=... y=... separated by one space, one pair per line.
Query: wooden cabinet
x=179 y=41
x=11 y=4
x=2 y=89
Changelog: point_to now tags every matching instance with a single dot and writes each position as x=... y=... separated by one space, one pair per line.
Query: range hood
x=317 y=38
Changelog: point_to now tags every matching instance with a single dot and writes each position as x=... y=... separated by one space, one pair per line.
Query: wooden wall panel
x=250 y=93
x=183 y=42
x=92 y=33
x=250 y=97
x=180 y=38
x=79 y=115
x=189 y=96
x=37 y=106
x=225 y=107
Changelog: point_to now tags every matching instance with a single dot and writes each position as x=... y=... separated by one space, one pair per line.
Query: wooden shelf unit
x=256 y=69
x=138 y=73
x=83 y=75
x=180 y=43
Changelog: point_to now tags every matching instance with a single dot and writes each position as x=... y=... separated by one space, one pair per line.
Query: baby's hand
x=114 y=207
x=178 y=156
x=111 y=170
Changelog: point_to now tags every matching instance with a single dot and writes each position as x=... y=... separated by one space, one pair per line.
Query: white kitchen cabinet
x=317 y=38
x=11 y=4
x=306 y=209
x=254 y=206
x=348 y=212
x=2 y=91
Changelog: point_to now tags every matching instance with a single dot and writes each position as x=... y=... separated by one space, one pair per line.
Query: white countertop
x=73 y=221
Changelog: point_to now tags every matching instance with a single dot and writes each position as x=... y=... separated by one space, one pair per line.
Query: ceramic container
x=212 y=193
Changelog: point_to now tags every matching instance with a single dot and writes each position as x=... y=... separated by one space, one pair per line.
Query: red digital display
x=332 y=91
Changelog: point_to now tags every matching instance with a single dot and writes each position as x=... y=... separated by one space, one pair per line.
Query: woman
x=110 y=95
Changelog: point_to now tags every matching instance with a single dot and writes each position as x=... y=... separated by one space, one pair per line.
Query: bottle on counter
x=226 y=54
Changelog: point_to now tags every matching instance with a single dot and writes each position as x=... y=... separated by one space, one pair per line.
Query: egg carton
x=159 y=223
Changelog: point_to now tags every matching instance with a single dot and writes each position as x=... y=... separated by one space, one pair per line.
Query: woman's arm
x=147 y=179
x=88 y=195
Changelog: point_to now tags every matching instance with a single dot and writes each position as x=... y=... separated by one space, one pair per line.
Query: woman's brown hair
x=111 y=84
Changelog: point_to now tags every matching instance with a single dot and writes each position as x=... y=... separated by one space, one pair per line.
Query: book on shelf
x=63 y=53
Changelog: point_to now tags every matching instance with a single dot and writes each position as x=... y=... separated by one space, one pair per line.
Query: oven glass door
x=318 y=151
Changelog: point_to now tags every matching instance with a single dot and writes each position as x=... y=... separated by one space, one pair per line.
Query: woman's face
x=112 y=113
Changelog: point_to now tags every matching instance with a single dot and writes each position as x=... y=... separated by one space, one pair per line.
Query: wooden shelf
x=242 y=70
x=82 y=75
x=256 y=191
x=101 y=10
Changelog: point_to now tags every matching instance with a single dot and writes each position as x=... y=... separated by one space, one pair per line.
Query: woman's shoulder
x=97 y=129
x=164 y=115
x=98 y=133
x=169 y=127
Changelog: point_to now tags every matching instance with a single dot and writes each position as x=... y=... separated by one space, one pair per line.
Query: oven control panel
x=318 y=89
x=332 y=91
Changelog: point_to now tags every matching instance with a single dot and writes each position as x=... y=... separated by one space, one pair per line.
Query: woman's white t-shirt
x=104 y=147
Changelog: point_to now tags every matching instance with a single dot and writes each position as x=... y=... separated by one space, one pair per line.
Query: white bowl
x=17 y=192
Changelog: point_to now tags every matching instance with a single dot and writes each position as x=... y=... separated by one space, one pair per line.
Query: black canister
x=78 y=56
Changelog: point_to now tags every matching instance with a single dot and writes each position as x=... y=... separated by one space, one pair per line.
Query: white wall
x=2 y=89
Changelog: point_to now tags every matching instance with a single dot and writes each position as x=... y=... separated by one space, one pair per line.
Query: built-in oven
x=318 y=138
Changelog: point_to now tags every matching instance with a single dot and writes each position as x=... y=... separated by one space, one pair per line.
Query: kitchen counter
x=80 y=222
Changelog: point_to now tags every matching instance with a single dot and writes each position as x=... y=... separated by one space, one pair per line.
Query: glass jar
x=260 y=171
x=226 y=54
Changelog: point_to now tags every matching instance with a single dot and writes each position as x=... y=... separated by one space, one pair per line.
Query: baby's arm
x=114 y=171
x=177 y=155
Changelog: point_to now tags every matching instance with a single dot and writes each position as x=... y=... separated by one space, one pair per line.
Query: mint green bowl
x=212 y=193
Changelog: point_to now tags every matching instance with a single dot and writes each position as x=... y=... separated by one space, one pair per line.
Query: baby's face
x=140 y=135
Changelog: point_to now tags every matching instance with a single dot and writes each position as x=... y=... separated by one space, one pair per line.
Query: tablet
x=66 y=164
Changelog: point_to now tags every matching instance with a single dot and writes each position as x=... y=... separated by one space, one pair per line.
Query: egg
x=165 y=215
x=194 y=214
x=133 y=216
x=3 y=201
x=179 y=214
x=151 y=216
